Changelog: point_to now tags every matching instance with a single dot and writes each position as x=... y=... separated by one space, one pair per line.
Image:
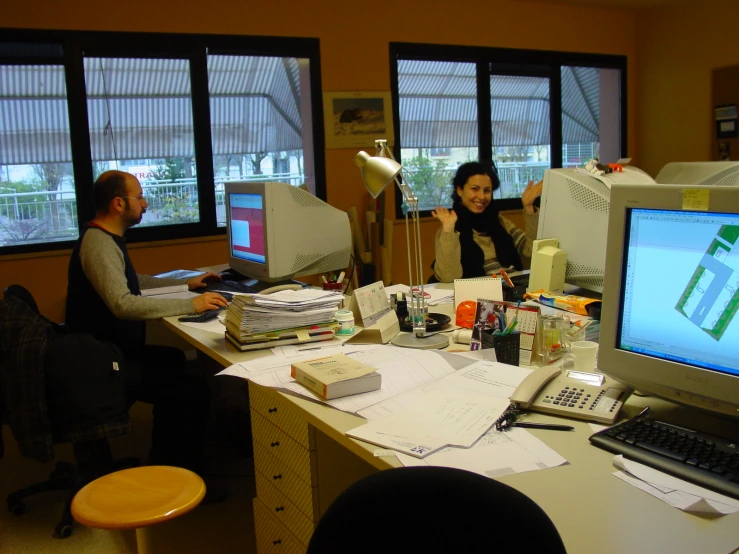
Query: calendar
x=527 y=317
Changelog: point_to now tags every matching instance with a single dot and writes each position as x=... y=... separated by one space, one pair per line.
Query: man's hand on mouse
x=209 y=301
x=202 y=280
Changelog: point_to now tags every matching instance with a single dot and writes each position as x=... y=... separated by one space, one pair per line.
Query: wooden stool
x=137 y=498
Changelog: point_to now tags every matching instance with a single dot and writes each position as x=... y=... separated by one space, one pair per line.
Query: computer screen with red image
x=247 y=227
x=277 y=231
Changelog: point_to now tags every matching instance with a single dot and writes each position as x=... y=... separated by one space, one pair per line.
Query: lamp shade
x=377 y=172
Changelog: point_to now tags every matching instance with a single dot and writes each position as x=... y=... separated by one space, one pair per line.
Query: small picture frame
x=357 y=119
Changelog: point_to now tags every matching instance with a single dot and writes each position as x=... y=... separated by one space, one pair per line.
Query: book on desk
x=335 y=376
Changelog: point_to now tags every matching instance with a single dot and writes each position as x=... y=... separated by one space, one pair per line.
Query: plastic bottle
x=345 y=319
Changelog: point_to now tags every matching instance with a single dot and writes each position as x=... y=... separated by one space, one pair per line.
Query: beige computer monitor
x=667 y=326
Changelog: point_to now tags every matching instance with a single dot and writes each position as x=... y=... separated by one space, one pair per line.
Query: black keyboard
x=706 y=460
x=227 y=286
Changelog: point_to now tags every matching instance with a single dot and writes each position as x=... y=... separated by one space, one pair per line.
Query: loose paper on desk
x=158 y=291
x=437 y=420
x=494 y=455
x=402 y=369
x=177 y=295
x=473 y=379
x=672 y=490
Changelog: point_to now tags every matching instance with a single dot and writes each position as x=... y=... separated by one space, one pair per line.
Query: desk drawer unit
x=286 y=505
x=284 y=510
x=285 y=480
x=274 y=409
x=272 y=537
x=284 y=448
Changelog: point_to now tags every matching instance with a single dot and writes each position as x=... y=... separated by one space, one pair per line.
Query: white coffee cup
x=585 y=353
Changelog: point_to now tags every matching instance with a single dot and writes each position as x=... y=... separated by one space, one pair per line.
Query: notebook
x=490 y=288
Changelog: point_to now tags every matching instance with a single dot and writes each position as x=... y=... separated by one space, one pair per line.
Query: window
x=37 y=187
x=184 y=113
x=524 y=110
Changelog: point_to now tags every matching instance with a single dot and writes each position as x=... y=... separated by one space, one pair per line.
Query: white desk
x=304 y=460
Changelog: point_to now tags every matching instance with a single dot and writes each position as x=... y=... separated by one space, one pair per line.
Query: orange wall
x=354 y=56
x=678 y=49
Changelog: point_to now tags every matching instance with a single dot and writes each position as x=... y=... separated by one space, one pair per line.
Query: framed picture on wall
x=356 y=119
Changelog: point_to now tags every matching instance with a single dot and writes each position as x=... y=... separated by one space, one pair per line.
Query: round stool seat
x=138 y=497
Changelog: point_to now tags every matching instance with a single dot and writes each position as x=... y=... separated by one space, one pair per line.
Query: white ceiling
x=625 y=4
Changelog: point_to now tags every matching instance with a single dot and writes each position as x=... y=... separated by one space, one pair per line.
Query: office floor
x=225 y=527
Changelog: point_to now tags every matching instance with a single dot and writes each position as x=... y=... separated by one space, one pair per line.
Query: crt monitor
x=671 y=296
x=719 y=174
x=574 y=210
x=277 y=231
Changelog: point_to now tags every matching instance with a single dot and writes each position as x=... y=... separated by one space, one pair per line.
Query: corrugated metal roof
x=438 y=106
x=141 y=108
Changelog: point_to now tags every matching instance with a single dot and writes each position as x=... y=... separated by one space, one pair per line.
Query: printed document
x=437 y=420
x=673 y=490
x=494 y=455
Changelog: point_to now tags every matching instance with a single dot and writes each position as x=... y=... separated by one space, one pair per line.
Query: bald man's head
x=110 y=185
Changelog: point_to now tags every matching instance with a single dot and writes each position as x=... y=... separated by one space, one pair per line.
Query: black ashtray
x=434 y=322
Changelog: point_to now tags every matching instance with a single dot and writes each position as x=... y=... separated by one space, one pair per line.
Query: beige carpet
x=222 y=528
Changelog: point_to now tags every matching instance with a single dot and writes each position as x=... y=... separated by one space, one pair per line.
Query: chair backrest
x=430 y=510
x=21 y=293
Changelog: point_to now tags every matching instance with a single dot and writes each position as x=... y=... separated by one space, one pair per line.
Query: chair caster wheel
x=17 y=508
x=63 y=530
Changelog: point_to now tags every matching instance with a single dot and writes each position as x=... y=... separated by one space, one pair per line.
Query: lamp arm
x=415 y=275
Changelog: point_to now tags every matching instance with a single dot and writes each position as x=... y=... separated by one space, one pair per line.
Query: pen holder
x=514 y=294
x=333 y=285
x=506 y=346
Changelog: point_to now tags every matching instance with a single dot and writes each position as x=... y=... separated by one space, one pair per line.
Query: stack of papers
x=288 y=309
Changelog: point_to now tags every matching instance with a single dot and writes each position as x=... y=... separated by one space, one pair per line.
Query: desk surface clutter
x=440 y=408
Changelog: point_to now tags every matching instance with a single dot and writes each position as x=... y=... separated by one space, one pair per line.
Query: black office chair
x=433 y=510
x=72 y=412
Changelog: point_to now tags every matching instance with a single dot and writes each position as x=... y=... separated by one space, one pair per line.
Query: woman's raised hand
x=448 y=218
x=531 y=193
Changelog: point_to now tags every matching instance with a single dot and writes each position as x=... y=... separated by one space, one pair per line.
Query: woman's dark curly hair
x=467 y=170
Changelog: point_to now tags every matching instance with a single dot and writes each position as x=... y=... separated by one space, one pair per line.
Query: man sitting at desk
x=104 y=299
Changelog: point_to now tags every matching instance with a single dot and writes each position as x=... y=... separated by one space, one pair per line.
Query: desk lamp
x=377 y=173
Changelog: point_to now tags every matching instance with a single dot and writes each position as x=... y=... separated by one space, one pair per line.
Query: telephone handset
x=547 y=390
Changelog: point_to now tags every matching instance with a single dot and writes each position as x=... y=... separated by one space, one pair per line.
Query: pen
x=341 y=277
x=506 y=278
x=548 y=426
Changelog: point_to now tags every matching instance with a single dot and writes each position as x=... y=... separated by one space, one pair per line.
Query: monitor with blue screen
x=669 y=325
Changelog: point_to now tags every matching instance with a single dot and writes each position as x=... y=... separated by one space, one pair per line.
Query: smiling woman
x=474 y=239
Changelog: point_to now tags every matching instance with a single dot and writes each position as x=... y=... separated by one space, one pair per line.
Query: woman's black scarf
x=473 y=260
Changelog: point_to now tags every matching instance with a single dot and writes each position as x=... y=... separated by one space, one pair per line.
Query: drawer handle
x=276 y=477
x=278 y=541
x=275 y=444
x=280 y=509
x=272 y=410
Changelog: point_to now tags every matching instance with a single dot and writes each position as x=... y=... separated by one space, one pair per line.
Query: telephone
x=547 y=390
